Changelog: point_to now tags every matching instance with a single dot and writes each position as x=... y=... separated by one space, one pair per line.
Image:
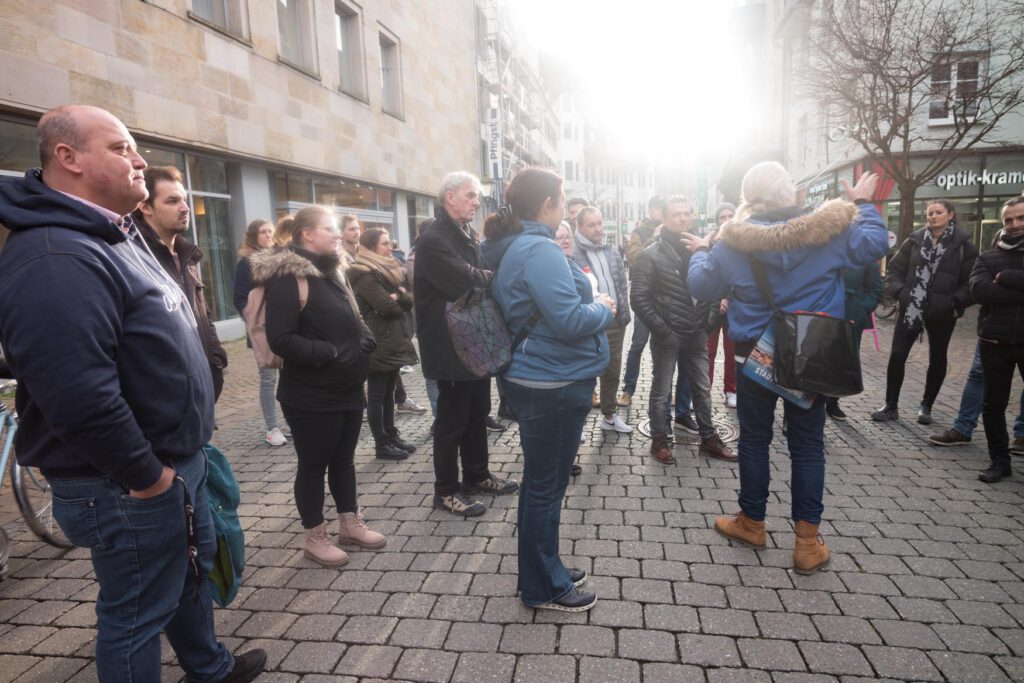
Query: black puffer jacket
x=660 y=297
x=447 y=265
x=1002 y=303
x=385 y=317
x=949 y=292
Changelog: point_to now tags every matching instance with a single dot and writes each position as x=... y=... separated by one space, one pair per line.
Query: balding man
x=447 y=266
x=115 y=396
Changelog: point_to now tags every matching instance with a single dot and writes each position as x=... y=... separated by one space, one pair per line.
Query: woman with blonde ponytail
x=803 y=254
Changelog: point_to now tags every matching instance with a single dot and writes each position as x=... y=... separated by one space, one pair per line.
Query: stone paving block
x=428 y=666
x=65 y=643
x=970 y=639
x=699 y=595
x=967 y=667
x=419 y=633
x=971 y=589
x=529 y=639
x=835 y=658
x=786 y=625
x=266 y=625
x=672 y=673
x=359 y=603
x=765 y=577
x=313 y=657
x=763 y=599
x=1013 y=666
x=276 y=648
x=776 y=655
x=721 y=575
x=808 y=602
x=871 y=584
x=727 y=622
x=923 y=587
x=647 y=590
x=434 y=562
x=617 y=613
x=898 y=662
x=616 y=566
x=52 y=669
x=473 y=637
x=545 y=669
x=315 y=627
x=458 y=608
x=647 y=645
x=408 y=605
x=908 y=634
x=981 y=613
x=445 y=583
x=705 y=650
x=42 y=613
x=673 y=618
x=368 y=660
x=356 y=580
x=587 y=640
x=508 y=611
x=738 y=676
x=22 y=639
x=493 y=585
x=367 y=630
x=484 y=668
x=1013 y=637
x=603 y=670
x=845 y=629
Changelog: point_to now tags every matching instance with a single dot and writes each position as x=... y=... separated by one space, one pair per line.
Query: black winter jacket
x=325 y=345
x=949 y=292
x=385 y=317
x=447 y=265
x=660 y=297
x=1002 y=303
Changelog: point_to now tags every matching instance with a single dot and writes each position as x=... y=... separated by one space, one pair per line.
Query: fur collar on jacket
x=812 y=229
x=283 y=261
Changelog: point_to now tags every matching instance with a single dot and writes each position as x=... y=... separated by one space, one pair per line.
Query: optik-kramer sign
x=967 y=178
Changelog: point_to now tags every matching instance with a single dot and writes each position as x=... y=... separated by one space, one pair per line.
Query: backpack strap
x=763 y=286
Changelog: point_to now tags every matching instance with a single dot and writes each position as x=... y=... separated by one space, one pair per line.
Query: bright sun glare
x=656 y=73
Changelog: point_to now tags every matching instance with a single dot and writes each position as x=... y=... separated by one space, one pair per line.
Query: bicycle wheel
x=35 y=500
x=5 y=553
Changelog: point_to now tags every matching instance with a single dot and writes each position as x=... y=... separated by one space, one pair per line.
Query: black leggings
x=939 y=333
x=380 y=404
x=325 y=444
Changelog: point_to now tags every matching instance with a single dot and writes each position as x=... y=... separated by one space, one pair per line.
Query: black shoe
x=995 y=473
x=460 y=504
x=396 y=438
x=576 y=471
x=833 y=410
x=577 y=576
x=886 y=413
x=247 y=667
x=924 y=414
x=493 y=425
x=575 y=601
x=389 y=451
x=505 y=411
x=950 y=437
x=491 y=485
x=687 y=423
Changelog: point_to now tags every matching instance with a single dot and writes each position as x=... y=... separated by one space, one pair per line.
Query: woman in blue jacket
x=552 y=374
x=804 y=254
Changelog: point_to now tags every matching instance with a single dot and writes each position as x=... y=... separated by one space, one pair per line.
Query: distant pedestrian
x=259 y=236
x=326 y=350
x=552 y=374
x=641 y=237
x=719 y=326
x=929 y=276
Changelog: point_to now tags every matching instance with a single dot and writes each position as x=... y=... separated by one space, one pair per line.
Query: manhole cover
x=726 y=429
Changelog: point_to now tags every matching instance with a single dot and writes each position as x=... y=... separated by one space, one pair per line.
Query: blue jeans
x=139 y=555
x=684 y=397
x=268 y=404
x=550 y=425
x=805 y=436
x=971 y=399
x=690 y=355
x=636 y=353
x=432 y=394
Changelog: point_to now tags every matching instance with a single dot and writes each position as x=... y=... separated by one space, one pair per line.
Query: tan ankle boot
x=353 y=531
x=321 y=550
x=742 y=529
x=810 y=552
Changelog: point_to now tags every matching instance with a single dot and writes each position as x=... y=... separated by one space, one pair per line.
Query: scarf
x=600 y=267
x=1008 y=243
x=932 y=251
x=387 y=267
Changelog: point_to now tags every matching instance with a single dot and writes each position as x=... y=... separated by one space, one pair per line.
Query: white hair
x=453 y=181
x=765 y=186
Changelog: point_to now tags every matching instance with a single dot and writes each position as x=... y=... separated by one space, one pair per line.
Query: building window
x=390 y=74
x=295 y=30
x=230 y=16
x=954 y=88
x=348 y=37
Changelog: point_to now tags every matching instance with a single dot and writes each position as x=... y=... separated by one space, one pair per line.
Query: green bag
x=229 y=559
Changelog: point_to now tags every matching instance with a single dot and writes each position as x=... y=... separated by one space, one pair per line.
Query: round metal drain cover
x=726 y=429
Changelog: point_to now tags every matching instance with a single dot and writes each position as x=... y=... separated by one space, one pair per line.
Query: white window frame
x=952 y=86
x=306 y=60
x=233 y=18
x=348 y=29
x=391 y=100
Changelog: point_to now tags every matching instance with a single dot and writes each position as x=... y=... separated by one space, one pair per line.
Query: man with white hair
x=447 y=266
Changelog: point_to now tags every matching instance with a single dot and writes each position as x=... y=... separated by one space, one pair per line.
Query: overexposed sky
x=658 y=71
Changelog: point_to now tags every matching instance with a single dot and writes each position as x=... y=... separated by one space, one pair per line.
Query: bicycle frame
x=8 y=427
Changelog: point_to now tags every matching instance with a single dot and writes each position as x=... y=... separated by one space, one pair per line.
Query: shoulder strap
x=761 y=278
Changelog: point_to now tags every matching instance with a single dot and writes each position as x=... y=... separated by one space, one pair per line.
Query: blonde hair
x=765 y=186
x=283 y=230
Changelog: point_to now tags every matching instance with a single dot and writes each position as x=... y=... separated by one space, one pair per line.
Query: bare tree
x=889 y=67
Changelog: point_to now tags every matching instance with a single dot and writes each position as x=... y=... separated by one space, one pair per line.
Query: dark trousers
x=998 y=361
x=325 y=443
x=460 y=430
x=400 y=393
x=939 y=333
x=380 y=404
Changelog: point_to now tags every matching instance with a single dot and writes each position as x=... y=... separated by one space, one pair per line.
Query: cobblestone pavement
x=925 y=582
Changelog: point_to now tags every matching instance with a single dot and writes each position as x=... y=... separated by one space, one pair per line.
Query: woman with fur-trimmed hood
x=804 y=254
x=326 y=350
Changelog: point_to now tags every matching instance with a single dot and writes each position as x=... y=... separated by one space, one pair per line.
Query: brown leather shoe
x=742 y=529
x=714 y=448
x=810 y=553
x=661 y=449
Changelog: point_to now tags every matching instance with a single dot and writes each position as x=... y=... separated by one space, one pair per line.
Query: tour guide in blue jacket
x=552 y=375
x=804 y=254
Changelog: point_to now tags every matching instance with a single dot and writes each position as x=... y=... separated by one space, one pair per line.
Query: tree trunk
x=907 y=195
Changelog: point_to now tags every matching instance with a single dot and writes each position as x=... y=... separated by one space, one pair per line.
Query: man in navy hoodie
x=115 y=396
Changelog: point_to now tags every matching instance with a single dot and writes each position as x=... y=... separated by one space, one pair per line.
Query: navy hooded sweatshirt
x=111 y=374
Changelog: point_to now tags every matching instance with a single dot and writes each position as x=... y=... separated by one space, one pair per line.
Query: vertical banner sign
x=495 y=151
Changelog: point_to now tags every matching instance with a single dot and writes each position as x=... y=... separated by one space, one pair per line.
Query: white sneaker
x=410 y=406
x=730 y=399
x=405 y=369
x=276 y=438
x=615 y=423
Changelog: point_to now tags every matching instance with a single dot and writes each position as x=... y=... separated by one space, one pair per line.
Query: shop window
x=954 y=88
x=295 y=31
x=390 y=74
x=418 y=208
x=19 y=147
x=348 y=38
x=212 y=216
x=230 y=16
